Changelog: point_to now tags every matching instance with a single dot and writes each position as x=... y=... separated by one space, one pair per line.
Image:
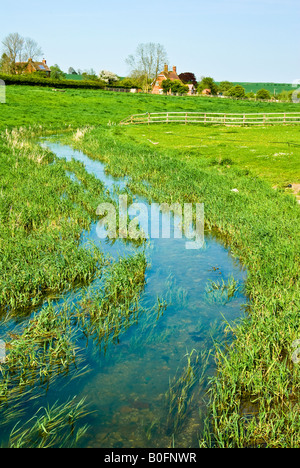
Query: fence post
x=167 y=118
x=244 y=119
x=186 y=118
x=204 y=119
x=284 y=119
x=132 y=119
x=264 y=119
x=148 y=118
x=224 y=119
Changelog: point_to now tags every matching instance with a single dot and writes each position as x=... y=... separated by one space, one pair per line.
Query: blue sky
x=245 y=40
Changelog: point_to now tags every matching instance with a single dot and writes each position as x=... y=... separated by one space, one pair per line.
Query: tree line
x=143 y=68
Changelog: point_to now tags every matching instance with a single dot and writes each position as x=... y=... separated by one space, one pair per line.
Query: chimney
x=44 y=62
x=166 y=69
x=175 y=70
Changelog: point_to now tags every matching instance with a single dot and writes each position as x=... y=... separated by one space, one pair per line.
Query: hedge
x=28 y=80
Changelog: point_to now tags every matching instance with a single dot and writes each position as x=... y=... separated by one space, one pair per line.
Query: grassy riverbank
x=45 y=205
x=256 y=392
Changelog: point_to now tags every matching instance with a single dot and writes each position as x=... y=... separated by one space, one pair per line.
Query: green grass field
x=272 y=152
x=57 y=110
x=255 y=394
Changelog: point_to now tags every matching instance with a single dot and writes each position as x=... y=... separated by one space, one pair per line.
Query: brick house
x=164 y=75
x=32 y=67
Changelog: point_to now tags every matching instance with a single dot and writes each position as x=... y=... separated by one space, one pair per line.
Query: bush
x=33 y=80
x=166 y=85
x=178 y=88
x=263 y=94
x=57 y=73
x=237 y=91
x=225 y=86
x=208 y=83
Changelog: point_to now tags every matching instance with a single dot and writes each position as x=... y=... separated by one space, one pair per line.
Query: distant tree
x=188 y=78
x=31 y=49
x=208 y=83
x=166 y=86
x=108 y=77
x=57 y=73
x=5 y=64
x=12 y=47
x=71 y=71
x=225 y=86
x=90 y=75
x=128 y=83
x=19 y=49
x=178 y=88
x=263 y=94
x=250 y=95
x=283 y=96
x=141 y=81
x=147 y=62
x=237 y=91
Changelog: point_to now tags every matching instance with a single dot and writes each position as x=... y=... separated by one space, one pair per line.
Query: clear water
x=127 y=384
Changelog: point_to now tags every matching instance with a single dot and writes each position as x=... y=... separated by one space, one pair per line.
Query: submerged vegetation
x=42 y=256
x=261 y=225
x=46 y=203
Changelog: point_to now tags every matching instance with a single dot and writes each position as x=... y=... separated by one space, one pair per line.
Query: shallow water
x=128 y=381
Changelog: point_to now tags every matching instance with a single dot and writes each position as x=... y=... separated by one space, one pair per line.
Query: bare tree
x=18 y=49
x=31 y=49
x=147 y=62
x=13 y=45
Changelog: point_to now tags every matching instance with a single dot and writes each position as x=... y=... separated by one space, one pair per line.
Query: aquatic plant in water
x=221 y=293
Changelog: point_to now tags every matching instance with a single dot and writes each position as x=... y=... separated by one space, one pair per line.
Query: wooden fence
x=288 y=118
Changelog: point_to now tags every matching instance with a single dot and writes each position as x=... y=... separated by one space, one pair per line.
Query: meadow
x=255 y=394
x=33 y=106
x=272 y=153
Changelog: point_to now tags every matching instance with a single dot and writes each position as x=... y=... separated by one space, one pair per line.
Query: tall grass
x=41 y=223
x=51 y=427
x=262 y=227
x=50 y=346
x=41 y=255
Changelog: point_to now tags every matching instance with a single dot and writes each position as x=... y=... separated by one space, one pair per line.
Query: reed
x=261 y=226
x=41 y=223
x=107 y=313
x=221 y=292
x=51 y=427
x=180 y=396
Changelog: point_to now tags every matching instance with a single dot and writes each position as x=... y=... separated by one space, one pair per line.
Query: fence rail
x=207 y=118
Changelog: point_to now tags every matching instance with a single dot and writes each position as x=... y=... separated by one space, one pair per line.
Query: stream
x=129 y=382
